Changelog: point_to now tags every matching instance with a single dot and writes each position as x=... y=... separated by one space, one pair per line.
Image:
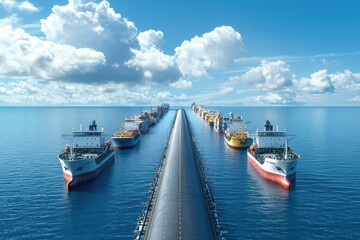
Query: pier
x=180 y=205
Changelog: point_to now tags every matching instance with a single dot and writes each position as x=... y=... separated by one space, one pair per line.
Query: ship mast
x=71 y=150
x=286 y=149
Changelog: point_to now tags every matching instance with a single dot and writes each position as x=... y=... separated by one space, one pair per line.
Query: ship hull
x=269 y=170
x=144 y=127
x=237 y=144
x=219 y=131
x=124 y=143
x=219 y=128
x=77 y=172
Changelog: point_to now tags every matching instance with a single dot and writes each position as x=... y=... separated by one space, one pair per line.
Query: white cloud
x=356 y=99
x=269 y=75
x=227 y=89
x=345 y=79
x=341 y=79
x=167 y=96
x=213 y=50
x=27 y=6
x=34 y=92
x=89 y=24
x=97 y=26
x=151 y=59
x=35 y=58
x=181 y=83
x=278 y=99
x=150 y=39
x=319 y=82
x=155 y=64
x=19 y=5
x=116 y=51
x=11 y=20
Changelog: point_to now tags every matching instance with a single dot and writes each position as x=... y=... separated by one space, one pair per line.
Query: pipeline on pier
x=180 y=205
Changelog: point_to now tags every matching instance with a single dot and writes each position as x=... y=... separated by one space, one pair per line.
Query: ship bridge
x=179 y=207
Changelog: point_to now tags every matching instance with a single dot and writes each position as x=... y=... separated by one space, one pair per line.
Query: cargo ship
x=236 y=136
x=87 y=155
x=220 y=124
x=272 y=157
x=141 y=122
x=128 y=137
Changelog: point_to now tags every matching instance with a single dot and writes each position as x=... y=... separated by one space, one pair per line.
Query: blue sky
x=251 y=53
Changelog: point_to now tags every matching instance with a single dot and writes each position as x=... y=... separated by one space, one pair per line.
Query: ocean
x=323 y=204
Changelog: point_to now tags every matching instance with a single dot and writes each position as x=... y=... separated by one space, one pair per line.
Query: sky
x=143 y=53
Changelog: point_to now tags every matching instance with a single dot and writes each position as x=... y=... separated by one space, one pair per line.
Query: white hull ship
x=272 y=157
x=86 y=157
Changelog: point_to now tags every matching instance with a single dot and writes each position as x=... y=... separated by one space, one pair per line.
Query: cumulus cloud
x=345 y=79
x=83 y=23
x=116 y=51
x=269 y=75
x=279 y=99
x=155 y=64
x=35 y=58
x=19 y=5
x=150 y=39
x=213 y=50
x=181 y=83
x=319 y=82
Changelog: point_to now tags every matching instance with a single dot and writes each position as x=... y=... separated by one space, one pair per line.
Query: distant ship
x=272 y=157
x=220 y=124
x=128 y=137
x=141 y=122
x=235 y=135
x=86 y=157
x=210 y=117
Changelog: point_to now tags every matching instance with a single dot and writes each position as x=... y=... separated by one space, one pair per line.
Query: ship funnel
x=268 y=126
x=93 y=126
x=231 y=116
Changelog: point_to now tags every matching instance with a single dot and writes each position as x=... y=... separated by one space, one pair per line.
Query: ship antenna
x=71 y=150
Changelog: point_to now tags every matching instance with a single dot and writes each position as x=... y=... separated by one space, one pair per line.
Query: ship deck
x=274 y=153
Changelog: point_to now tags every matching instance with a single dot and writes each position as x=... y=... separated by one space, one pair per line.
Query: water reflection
x=274 y=194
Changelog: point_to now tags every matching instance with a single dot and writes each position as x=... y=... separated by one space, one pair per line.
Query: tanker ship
x=86 y=156
x=272 y=157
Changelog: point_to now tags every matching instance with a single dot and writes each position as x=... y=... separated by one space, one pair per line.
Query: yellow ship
x=209 y=118
x=237 y=137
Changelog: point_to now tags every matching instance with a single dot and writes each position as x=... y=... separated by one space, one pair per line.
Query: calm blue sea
x=324 y=204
